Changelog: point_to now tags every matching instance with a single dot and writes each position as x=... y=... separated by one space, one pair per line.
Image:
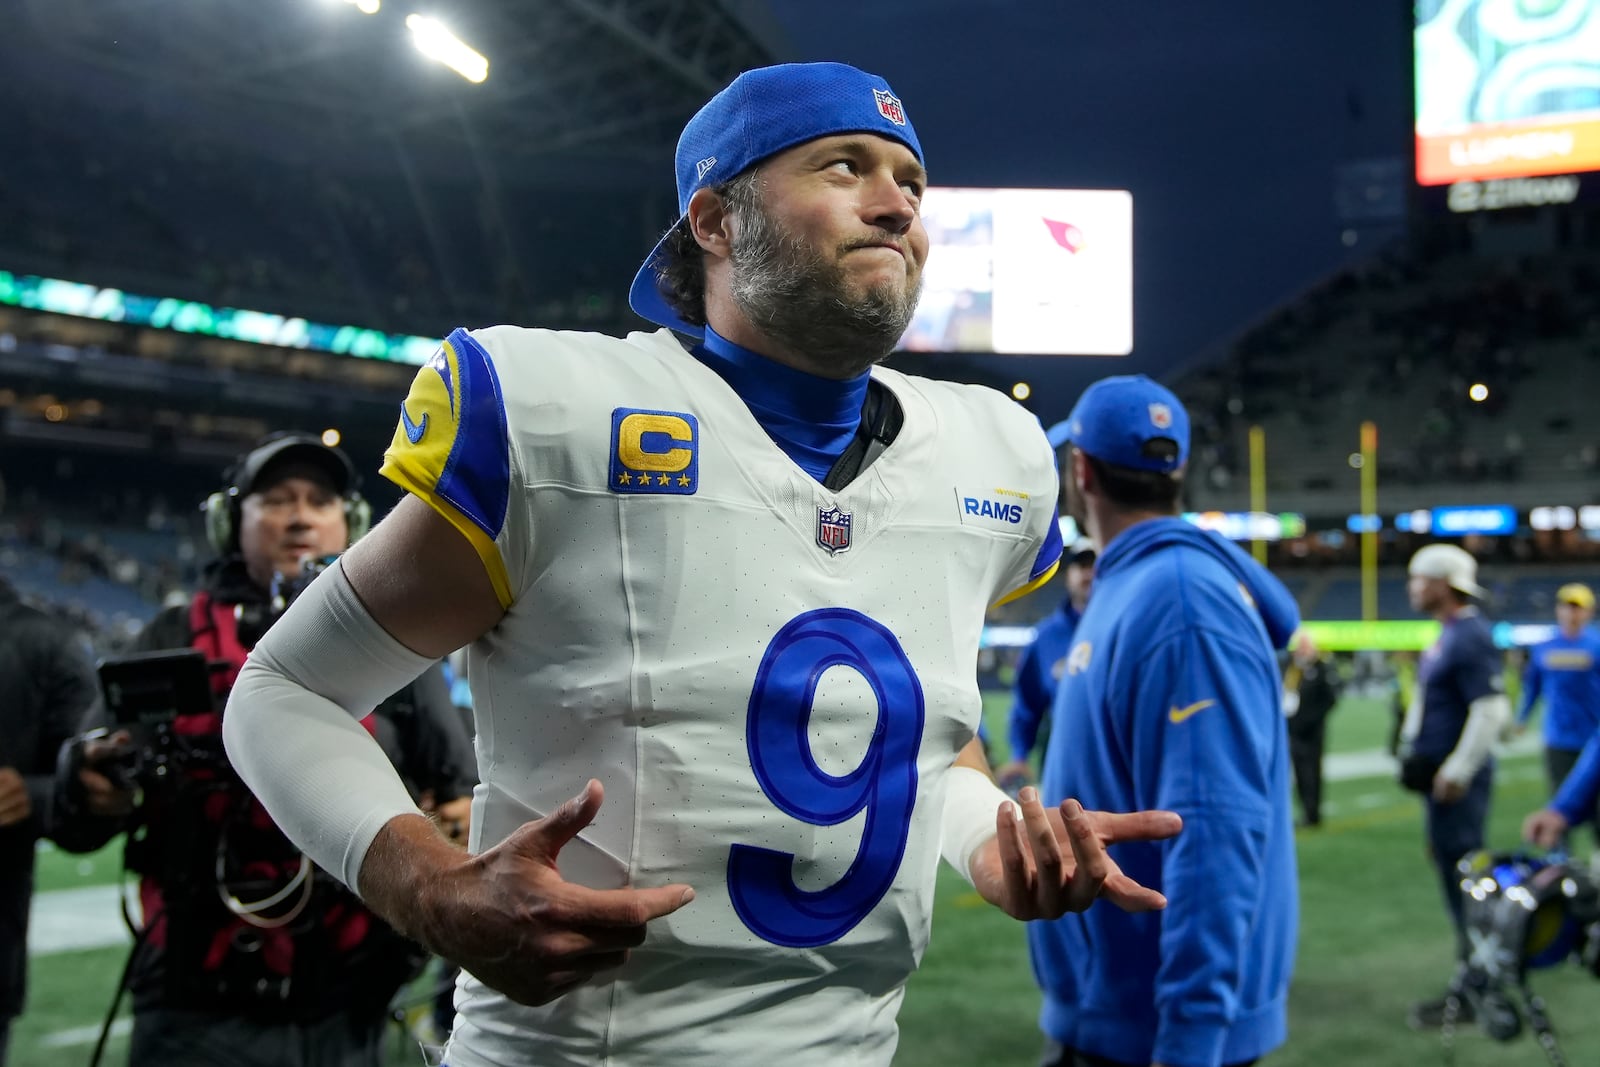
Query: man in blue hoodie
x=1170 y=699
x=1565 y=671
x=1572 y=699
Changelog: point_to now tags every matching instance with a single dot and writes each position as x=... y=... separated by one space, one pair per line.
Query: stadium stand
x=201 y=221
x=1399 y=341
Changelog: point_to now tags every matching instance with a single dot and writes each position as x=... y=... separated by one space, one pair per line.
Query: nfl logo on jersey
x=833 y=530
x=889 y=107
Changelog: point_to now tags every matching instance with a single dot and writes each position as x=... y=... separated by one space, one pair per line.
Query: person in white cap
x=736 y=571
x=1457 y=711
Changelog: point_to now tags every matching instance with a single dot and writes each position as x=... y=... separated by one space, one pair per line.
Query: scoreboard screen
x=1506 y=89
x=1026 y=272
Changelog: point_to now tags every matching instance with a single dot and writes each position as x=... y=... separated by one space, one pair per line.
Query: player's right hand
x=1544 y=828
x=1051 y=861
x=509 y=918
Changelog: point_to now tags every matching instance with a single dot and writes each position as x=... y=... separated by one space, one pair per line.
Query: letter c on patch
x=640 y=454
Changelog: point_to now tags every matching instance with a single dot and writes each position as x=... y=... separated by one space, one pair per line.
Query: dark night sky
x=1228 y=121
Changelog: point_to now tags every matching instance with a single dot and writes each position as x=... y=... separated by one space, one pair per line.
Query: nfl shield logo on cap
x=1161 y=416
x=889 y=107
x=833 y=530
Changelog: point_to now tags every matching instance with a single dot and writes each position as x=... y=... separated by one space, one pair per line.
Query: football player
x=731 y=569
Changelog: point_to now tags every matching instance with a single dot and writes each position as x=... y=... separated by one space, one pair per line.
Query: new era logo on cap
x=889 y=107
x=704 y=165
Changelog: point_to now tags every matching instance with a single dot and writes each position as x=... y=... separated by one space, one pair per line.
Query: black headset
x=221 y=509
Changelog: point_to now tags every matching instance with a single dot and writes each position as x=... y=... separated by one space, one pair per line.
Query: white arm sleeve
x=1486 y=716
x=970 y=800
x=290 y=727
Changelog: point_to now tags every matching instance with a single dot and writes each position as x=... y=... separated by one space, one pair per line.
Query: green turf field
x=1373 y=937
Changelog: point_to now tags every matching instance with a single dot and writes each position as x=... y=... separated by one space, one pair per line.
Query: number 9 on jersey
x=761 y=880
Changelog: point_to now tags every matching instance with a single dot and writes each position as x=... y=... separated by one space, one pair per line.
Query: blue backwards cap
x=763 y=112
x=1117 y=417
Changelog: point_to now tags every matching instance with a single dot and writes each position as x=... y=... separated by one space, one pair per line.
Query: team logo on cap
x=833 y=530
x=1161 y=416
x=889 y=106
x=704 y=165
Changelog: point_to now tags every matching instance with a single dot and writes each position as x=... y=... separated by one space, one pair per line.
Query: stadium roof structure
x=567 y=78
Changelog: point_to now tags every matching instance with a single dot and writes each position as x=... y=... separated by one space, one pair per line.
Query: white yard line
x=84 y=1035
x=1377 y=763
x=71 y=920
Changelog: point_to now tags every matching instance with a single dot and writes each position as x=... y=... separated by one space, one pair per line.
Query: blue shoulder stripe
x=477 y=476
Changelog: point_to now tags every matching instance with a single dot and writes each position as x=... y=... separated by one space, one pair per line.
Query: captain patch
x=654 y=452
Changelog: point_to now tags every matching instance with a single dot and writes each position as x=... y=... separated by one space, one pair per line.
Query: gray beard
x=795 y=296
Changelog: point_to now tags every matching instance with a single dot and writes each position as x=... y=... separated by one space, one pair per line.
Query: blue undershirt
x=811 y=419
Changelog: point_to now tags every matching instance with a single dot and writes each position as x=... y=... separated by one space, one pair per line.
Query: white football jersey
x=770 y=679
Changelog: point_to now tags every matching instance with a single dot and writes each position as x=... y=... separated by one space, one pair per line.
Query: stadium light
x=331 y=437
x=435 y=41
x=1021 y=391
x=1479 y=392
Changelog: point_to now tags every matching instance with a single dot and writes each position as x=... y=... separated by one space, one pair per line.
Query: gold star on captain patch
x=663 y=480
x=683 y=480
x=625 y=478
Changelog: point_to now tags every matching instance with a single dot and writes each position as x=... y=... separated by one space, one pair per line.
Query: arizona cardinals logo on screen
x=1066 y=234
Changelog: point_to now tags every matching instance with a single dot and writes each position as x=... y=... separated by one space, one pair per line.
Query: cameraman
x=246 y=958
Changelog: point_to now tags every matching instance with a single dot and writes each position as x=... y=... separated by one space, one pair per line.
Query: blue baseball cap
x=1116 y=418
x=763 y=112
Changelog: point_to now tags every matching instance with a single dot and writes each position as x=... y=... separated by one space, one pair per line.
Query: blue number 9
x=761 y=880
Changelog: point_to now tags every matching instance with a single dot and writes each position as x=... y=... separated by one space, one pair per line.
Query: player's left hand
x=1446 y=791
x=1054 y=861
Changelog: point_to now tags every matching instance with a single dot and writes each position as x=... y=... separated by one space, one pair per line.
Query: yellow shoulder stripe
x=1018 y=594
x=482 y=543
